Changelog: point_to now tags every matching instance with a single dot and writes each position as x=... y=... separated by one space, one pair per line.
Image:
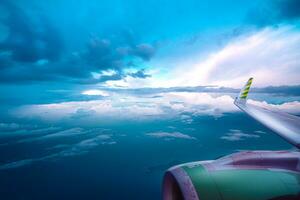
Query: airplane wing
x=285 y=125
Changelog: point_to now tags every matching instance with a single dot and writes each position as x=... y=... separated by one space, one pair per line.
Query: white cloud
x=95 y=93
x=259 y=132
x=46 y=134
x=129 y=82
x=269 y=55
x=199 y=103
x=114 y=108
x=76 y=149
x=237 y=135
x=65 y=133
x=28 y=131
x=290 y=107
x=167 y=105
x=100 y=139
x=170 y=135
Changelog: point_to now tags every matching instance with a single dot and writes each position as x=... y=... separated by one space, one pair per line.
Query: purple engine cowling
x=177 y=185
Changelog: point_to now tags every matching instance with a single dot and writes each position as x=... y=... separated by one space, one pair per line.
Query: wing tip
x=245 y=91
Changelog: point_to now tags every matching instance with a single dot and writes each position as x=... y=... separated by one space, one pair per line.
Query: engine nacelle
x=252 y=175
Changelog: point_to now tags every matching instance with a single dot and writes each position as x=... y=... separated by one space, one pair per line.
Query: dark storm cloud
x=289 y=9
x=102 y=54
x=111 y=53
x=33 y=51
x=274 y=12
x=99 y=55
x=139 y=74
x=145 y=51
x=89 y=80
x=30 y=37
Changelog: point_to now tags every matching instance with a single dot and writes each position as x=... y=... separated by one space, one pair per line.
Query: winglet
x=242 y=98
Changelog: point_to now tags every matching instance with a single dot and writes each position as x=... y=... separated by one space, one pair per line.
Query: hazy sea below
x=119 y=161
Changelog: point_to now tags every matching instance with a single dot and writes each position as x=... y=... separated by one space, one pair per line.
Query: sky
x=126 y=44
x=84 y=83
x=73 y=55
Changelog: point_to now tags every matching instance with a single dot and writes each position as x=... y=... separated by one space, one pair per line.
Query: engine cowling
x=258 y=175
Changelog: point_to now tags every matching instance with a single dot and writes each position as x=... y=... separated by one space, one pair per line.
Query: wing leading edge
x=285 y=125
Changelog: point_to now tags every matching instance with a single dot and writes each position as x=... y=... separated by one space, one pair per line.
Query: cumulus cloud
x=199 y=103
x=237 y=135
x=105 y=109
x=140 y=107
x=170 y=135
x=133 y=107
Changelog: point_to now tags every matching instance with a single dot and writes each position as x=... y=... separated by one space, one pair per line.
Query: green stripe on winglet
x=246 y=90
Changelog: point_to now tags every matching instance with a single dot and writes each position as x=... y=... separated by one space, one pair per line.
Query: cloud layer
x=238 y=135
x=269 y=55
x=88 y=140
x=170 y=135
x=140 y=107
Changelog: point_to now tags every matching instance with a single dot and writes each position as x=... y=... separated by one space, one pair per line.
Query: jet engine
x=250 y=175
